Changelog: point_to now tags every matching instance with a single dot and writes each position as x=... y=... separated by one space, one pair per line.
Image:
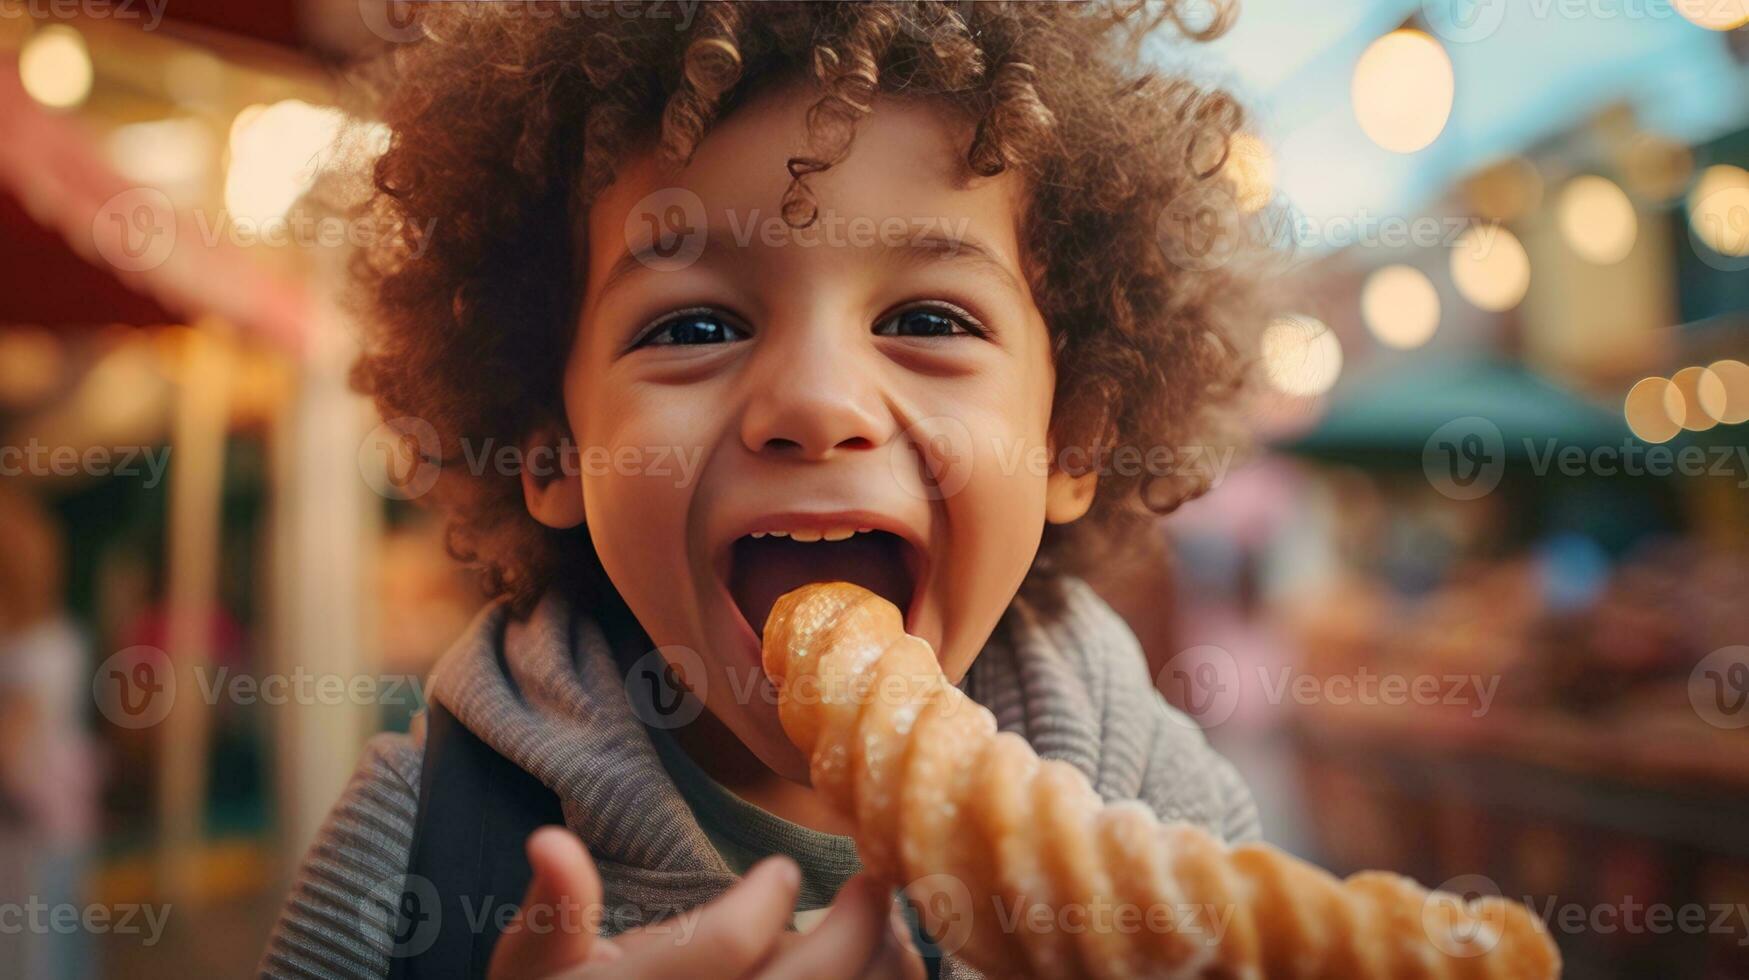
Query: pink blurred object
x=54 y=168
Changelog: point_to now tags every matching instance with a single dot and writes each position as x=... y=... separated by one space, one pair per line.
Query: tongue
x=765 y=568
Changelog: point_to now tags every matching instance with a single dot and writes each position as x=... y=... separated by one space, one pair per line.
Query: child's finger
x=557 y=925
x=727 y=938
x=846 y=942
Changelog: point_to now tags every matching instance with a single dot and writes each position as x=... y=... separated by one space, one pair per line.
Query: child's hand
x=741 y=934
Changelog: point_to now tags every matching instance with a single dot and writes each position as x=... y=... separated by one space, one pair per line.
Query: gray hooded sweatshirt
x=547 y=693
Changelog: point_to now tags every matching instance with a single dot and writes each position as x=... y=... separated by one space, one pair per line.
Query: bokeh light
x=55 y=67
x=276 y=153
x=163 y=152
x=1733 y=391
x=1703 y=395
x=1490 y=268
x=1714 y=15
x=1597 y=219
x=1655 y=167
x=1653 y=409
x=1300 y=355
x=1400 y=306
x=1251 y=170
x=1402 y=90
x=1506 y=191
x=1718 y=209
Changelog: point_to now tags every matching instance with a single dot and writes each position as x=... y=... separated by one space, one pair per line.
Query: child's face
x=886 y=368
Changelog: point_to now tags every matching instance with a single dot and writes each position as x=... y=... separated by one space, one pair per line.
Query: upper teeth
x=816 y=534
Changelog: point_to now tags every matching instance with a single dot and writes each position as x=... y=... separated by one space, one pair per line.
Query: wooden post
x=197 y=472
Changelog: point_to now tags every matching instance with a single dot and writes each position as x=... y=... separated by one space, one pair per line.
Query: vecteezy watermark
x=1468 y=21
x=670 y=228
x=137 y=687
x=1718 y=687
x=149 y=13
x=1466 y=458
x=137 y=230
x=1208 y=682
x=397 y=21
x=950 y=914
x=1635 y=458
x=1629 y=916
x=36 y=459
x=1204 y=228
x=403 y=915
x=946 y=455
x=667 y=688
x=1718 y=226
x=402 y=459
x=1466 y=916
x=33 y=916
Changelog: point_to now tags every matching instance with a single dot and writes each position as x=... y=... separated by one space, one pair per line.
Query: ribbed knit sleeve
x=335 y=922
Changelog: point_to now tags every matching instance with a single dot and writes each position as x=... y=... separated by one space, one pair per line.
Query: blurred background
x=1475 y=607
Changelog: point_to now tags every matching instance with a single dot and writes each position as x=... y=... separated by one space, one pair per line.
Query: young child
x=762 y=294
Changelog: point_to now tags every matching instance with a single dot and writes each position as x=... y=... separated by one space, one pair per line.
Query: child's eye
x=929 y=321
x=690 y=328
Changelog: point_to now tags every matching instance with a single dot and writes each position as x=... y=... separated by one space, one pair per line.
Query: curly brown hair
x=507 y=121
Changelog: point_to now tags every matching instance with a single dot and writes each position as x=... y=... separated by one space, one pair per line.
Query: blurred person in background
x=48 y=762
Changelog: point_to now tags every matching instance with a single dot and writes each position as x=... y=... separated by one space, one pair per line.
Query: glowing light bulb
x=1251 y=170
x=1718 y=209
x=1652 y=410
x=55 y=67
x=276 y=153
x=1490 y=268
x=1400 y=306
x=1300 y=355
x=1714 y=15
x=1729 y=402
x=1702 y=392
x=1402 y=90
x=1597 y=219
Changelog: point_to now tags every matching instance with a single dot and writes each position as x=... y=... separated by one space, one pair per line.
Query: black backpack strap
x=468 y=870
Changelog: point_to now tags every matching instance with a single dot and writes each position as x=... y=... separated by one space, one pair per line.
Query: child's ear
x=552 y=491
x=1068 y=495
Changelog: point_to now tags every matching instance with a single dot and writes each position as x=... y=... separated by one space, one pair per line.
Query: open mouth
x=765 y=566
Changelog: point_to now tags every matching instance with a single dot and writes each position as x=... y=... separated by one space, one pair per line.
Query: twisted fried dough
x=1023 y=869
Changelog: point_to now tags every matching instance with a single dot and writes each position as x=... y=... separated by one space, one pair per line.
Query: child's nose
x=813 y=400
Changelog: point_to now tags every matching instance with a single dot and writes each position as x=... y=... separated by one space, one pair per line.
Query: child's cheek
x=639 y=477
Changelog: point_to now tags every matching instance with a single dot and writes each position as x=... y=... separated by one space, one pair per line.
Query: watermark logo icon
x=1718 y=687
x=1465 y=458
x=1199 y=230
x=1464 y=21
x=1457 y=920
x=666 y=687
x=1718 y=223
x=135 y=687
x=943 y=450
x=401 y=459
x=406 y=911
x=667 y=229
x=1205 y=681
x=135 y=231
x=395 y=21
x=944 y=906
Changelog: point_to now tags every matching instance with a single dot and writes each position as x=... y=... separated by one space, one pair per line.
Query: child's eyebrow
x=916 y=246
x=932 y=246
